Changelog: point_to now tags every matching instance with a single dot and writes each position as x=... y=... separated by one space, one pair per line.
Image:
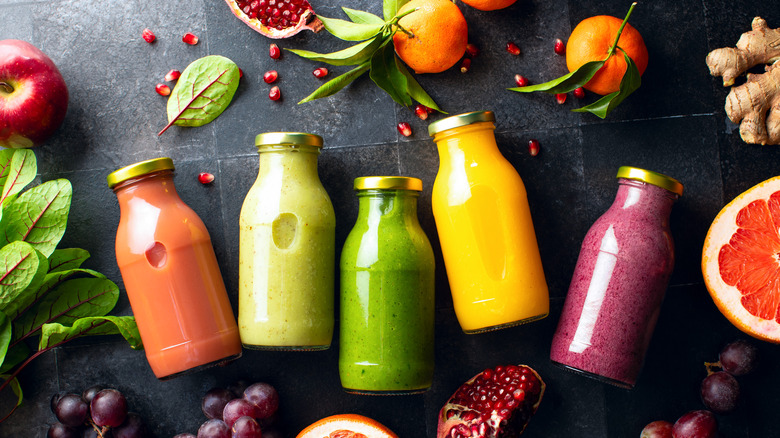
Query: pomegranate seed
x=274 y=51
x=240 y=73
x=512 y=48
x=172 y=75
x=190 y=38
x=465 y=65
x=561 y=98
x=472 y=50
x=163 y=90
x=421 y=111
x=270 y=76
x=148 y=36
x=205 y=178
x=404 y=129
x=533 y=149
x=579 y=93
x=521 y=81
x=320 y=72
x=560 y=48
x=275 y=93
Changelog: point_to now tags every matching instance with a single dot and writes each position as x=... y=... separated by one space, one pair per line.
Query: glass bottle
x=171 y=274
x=619 y=281
x=287 y=233
x=387 y=292
x=485 y=228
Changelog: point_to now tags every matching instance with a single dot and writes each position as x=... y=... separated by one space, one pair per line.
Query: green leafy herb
x=374 y=53
x=629 y=83
x=204 y=89
x=44 y=289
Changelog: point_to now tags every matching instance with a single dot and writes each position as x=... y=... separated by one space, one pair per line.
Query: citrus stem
x=398 y=26
x=6 y=87
x=620 y=31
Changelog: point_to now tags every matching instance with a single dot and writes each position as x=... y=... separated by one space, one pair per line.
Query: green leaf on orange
x=390 y=8
x=353 y=55
x=350 y=31
x=414 y=89
x=335 y=85
x=362 y=16
x=567 y=82
x=628 y=84
x=385 y=73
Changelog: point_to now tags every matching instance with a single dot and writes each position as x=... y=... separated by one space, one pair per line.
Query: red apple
x=33 y=95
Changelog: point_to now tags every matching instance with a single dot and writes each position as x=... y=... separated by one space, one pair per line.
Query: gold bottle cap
x=288 y=138
x=650 y=177
x=138 y=169
x=460 y=120
x=388 y=183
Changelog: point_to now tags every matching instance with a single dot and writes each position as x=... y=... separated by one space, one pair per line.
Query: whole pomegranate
x=496 y=403
x=276 y=18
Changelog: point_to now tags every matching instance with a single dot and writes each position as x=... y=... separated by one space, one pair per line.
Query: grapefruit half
x=346 y=426
x=741 y=261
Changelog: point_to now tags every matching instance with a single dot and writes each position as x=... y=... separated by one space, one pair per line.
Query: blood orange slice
x=741 y=261
x=346 y=426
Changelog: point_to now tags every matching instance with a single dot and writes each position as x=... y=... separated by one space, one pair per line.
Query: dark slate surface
x=674 y=124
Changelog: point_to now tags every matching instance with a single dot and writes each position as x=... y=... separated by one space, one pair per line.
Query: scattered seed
x=472 y=50
x=172 y=75
x=148 y=36
x=404 y=129
x=162 y=90
x=465 y=65
x=521 y=81
x=560 y=48
x=274 y=51
x=533 y=147
x=512 y=48
x=240 y=73
x=190 y=38
x=561 y=98
x=270 y=76
x=320 y=73
x=275 y=93
x=421 y=111
x=579 y=93
x=205 y=178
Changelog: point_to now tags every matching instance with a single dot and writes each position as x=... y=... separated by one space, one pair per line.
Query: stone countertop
x=674 y=124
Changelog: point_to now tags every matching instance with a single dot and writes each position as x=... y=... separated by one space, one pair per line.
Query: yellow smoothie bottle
x=485 y=228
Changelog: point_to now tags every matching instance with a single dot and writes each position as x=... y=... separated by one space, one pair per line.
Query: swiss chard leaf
x=362 y=16
x=567 y=82
x=38 y=216
x=23 y=269
x=67 y=258
x=354 y=55
x=384 y=72
x=14 y=382
x=15 y=355
x=73 y=299
x=630 y=82
x=18 y=169
x=350 y=31
x=5 y=335
x=50 y=282
x=415 y=90
x=203 y=91
x=334 y=85
x=54 y=334
x=390 y=8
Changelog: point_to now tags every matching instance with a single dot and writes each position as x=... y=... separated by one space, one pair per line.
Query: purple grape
x=214 y=429
x=264 y=397
x=133 y=427
x=720 y=392
x=657 y=429
x=59 y=430
x=696 y=424
x=238 y=388
x=56 y=399
x=739 y=357
x=71 y=410
x=237 y=408
x=246 y=427
x=109 y=408
x=90 y=392
x=214 y=402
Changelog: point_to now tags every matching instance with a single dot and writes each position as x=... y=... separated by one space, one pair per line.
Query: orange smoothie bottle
x=484 y=224
x=170 y=273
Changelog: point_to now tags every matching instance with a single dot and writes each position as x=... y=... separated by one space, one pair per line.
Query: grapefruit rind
x=726 y=297
x=348 y=422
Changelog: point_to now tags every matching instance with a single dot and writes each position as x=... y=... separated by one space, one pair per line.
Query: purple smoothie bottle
x=619 y=282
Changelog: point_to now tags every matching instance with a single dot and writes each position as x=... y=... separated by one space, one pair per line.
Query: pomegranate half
x=496 y=403
x=276 y=18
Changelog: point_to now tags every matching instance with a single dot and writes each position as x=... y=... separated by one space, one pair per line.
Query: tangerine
x=433 y=37
x=489 y=5
x=591 y=40
x=346 y=426
x=740 y=261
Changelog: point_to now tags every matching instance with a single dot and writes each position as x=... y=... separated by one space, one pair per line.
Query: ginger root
x=756 y=103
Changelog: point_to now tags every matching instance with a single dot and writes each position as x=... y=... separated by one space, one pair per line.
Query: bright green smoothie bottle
x=387 y=292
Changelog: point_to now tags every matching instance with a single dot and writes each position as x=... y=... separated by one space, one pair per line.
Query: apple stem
x=6 y=87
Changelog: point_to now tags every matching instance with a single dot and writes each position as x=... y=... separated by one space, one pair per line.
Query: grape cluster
x=239 y=411
x=97 y=413
x=719 y=393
